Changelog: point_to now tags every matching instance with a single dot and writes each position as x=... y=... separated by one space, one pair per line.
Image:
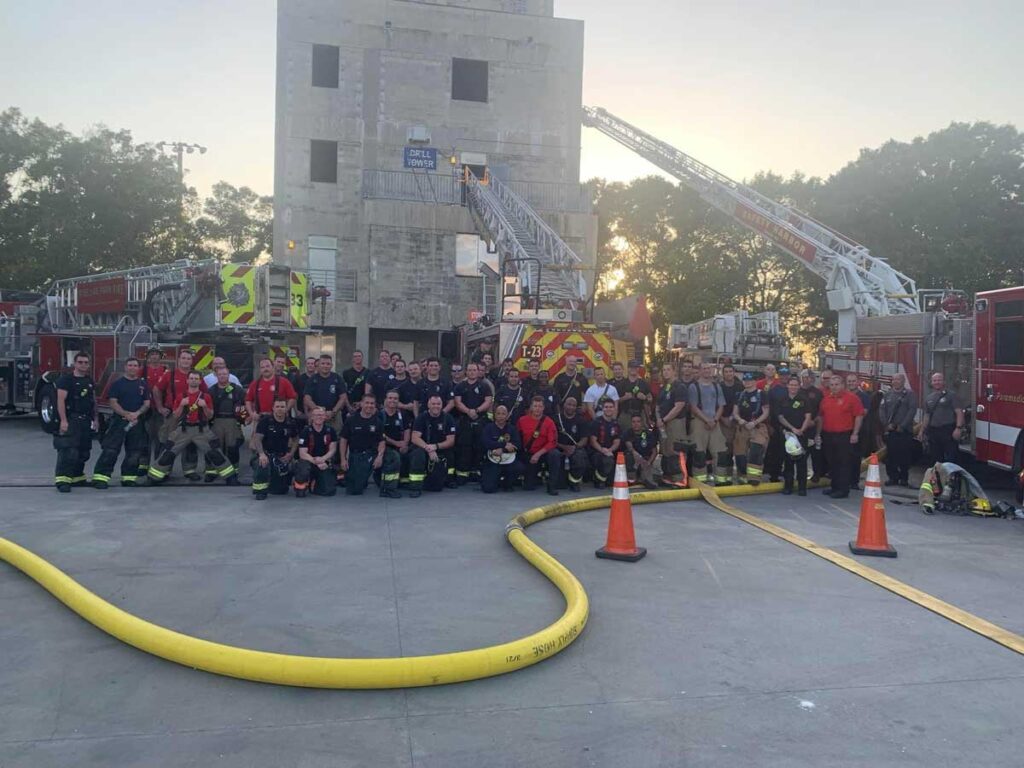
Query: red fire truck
x=236 y=311
x=980 y=350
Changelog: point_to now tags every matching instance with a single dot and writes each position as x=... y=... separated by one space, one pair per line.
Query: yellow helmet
x=981 y=506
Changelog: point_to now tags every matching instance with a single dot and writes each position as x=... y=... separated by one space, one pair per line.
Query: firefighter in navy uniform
x=501 y=441
x=228 y=403
x=641 y=441
x=361 y=445
x=382 y=378
x=573 y=437
x=432 y=459
x=433 y=384
x=473 y=403
x=76 y=409
x=190 y=421
x=274 y=443
x=544 y=390
x=355 y=381
x=318 y=449
x=129 y=400
x=605 y=441
x=570 y=383
x=513 y=394
x=396 y=425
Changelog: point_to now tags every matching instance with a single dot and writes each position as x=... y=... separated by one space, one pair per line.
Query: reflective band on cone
x=872 y=538
x=621 y=542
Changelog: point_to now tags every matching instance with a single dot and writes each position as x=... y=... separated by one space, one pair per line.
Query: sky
x=744 y=86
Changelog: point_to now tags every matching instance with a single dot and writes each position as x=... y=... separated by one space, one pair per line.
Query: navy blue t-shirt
x=130 y=394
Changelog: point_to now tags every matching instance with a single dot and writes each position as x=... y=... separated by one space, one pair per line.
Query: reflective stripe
x=101 y=478
x=574 y=479
x=228 y=471
x=754 y=471
x=460 y=474
x=125 y=478
x=390 y=476
x=721 y=478
x=156 y=473
x=211 y=472
x=872 y=491
x=256 y=487
x=62 y=479
x=451 y=471
x=927 y=487
x=79 y=479
x=417 y=478
x=620 y=494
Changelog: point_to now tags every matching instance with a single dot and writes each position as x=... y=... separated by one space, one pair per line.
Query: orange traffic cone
x=871 y=536
x=621 y=544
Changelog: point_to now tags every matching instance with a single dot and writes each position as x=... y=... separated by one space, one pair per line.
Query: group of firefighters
x=496 y=425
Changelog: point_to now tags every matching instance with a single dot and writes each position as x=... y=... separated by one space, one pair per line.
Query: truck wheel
x=48 y=420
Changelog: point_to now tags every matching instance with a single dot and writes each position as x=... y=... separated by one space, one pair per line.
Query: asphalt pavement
x=723 y=647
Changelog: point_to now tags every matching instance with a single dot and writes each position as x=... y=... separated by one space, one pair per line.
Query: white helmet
x=793 y=446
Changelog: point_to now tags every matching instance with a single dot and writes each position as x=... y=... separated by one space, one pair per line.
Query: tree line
x=71 y=205
x=946 y=209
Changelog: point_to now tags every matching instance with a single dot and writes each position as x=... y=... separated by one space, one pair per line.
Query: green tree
x=237 y=223
x=74 y=205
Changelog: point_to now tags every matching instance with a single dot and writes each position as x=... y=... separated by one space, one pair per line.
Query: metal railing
x=445 y=189
x=342 y=283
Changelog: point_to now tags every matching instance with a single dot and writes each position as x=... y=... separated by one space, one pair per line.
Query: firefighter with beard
x=512 y=394
x=129 y=401
x=473 y=403
x=228 y=403
x=274 y=443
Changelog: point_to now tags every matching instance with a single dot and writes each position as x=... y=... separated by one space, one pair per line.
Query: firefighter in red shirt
x=540 y=447
x=270 y=386
x=190 y=420
x=165 y=396
x=841 y=413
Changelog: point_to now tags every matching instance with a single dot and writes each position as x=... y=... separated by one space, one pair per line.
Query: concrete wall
x=395 y=61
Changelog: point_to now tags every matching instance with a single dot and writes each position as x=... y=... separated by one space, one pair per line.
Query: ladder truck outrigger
x=886 y=326
x=235 y=311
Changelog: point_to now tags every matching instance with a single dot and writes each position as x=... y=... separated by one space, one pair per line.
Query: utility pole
x=179 y=148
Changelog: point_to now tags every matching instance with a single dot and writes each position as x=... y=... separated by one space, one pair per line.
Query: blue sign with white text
x=420 y=158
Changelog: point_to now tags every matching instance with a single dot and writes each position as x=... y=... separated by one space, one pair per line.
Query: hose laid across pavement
x=323 y=672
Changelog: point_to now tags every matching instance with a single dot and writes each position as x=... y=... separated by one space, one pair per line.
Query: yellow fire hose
x=321 y=672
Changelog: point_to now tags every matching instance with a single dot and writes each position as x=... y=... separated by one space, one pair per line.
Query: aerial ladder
x=548 y=271
x=858 y=284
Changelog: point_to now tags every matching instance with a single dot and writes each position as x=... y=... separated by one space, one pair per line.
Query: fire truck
x=978 y=347
x=236 y=311
x=533 y=337
x=747 y=340
x=886 y=325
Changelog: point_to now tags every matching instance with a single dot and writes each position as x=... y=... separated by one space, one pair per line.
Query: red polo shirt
x=838 y=412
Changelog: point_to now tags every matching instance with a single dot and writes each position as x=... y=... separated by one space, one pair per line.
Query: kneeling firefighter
x=274 y=443
x=949 y=488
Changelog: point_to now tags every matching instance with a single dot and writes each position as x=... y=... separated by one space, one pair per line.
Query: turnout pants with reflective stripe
x=190 y=458
x=360 y=470
x=199 y=438
x=709 y=445
x=390 y=470
x=419 y=464
x=469 y=448
x=229 y=434
x=269 y=479
x=604 y=466
x=136 y=443
x=749 y=447
x=552 y=460
x=324 y=482
x=673 y=441
x=73 y=449
x=579 y=465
